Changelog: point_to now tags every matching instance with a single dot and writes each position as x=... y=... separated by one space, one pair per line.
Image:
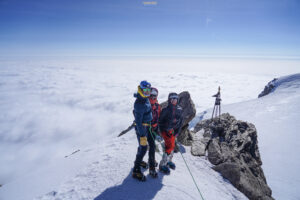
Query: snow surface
x=51 y=109
x=109 y=177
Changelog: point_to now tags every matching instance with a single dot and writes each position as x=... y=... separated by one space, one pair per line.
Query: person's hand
x=143 y=141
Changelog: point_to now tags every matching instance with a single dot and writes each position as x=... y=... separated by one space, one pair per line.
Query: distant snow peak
x=268 y=88
x=285 y=81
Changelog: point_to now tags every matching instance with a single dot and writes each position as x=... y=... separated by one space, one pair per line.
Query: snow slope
x=51 y=109
x=277 y=119
x=109 y=177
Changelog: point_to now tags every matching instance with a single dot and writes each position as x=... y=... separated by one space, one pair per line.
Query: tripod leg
x=212 y=116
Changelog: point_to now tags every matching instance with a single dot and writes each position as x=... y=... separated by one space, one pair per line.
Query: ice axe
x=127 y=130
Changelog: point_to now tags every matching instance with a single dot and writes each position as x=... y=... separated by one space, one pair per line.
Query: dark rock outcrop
x=189 y=112
x=231 y=145
x=268 y=88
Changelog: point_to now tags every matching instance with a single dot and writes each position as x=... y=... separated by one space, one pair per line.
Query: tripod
x=217 y=106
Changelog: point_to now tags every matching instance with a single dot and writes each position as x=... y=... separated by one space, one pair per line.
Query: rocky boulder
x=231 y=145
x=189 y=112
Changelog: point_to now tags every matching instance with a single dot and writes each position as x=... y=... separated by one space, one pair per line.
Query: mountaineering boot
x=169 y=162
x=153 y=172
x=144 y=165
x=164 y=169
x=137 y=174
x=171 y=165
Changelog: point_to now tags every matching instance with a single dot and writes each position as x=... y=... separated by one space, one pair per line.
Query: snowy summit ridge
x=284 y=82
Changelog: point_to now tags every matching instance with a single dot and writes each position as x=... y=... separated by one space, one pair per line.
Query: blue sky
x=171 y=27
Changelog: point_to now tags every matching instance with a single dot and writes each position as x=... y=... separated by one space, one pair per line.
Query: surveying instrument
x=217 y=107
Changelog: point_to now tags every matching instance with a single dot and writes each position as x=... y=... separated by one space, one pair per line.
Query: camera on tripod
x=217 y=106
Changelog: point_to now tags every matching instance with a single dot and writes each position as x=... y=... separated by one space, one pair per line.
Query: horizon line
x=271 y=57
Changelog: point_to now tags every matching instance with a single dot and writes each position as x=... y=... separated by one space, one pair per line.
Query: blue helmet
x=145 y=84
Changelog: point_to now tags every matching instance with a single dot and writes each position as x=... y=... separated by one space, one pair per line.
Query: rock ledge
x=231 y=145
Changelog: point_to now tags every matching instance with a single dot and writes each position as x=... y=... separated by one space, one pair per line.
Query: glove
x=143 y=141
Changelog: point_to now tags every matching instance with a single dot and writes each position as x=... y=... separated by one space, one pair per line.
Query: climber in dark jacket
x=170 y=122
x=143 y=117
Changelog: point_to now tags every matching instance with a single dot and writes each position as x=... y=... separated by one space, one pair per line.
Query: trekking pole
x=212 y=116
x=191 y=174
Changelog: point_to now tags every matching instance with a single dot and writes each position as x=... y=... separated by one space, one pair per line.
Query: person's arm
x=177 y=128
x=162 y=119
x=138 y=114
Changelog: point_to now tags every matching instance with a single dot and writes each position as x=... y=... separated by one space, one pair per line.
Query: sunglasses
x=146 y=89
x=174 y=97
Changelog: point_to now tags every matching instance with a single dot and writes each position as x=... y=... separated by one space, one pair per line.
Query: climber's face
x=174 y=101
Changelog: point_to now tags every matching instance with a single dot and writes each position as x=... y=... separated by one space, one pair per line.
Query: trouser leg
x=169 y=142
x=151 y=143
x=170 y=157
x=141 y=151
x=169 y=147
x=164 y=160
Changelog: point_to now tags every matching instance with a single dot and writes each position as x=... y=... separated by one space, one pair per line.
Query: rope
x=150 y=129
x=191 y=175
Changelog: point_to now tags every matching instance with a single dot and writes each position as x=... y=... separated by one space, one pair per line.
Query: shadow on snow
x=133 y=189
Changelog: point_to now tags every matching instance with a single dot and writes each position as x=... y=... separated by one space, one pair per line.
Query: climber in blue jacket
x=143 y=117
